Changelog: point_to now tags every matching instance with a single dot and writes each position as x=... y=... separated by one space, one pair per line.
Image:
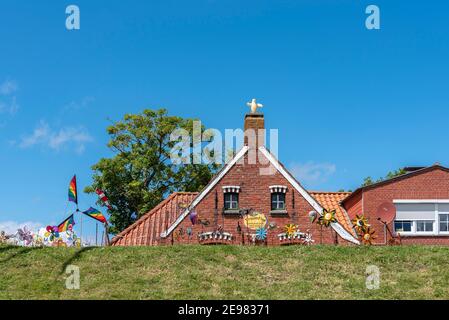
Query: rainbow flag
x=66 y=224
x=73 y=196
x=95 y=214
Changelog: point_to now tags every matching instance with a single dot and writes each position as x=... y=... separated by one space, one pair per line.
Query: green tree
x=392 y=174
x=367 y=181
x=140 y=174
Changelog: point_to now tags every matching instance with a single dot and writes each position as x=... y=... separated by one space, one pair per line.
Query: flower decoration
x=52 y=233
x=360 y=223
x=368 y=236
x=308 y=239
x=261 y=234
x=290 y=229
x=25 y=236
x=327 y=218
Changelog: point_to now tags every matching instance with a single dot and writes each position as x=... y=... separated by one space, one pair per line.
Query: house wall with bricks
x=430 y=183
x=255 y=195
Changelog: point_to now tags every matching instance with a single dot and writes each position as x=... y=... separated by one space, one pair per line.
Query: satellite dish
x=386 y=212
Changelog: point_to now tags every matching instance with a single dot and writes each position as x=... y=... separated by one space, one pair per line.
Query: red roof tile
x=331 y=201
x=146 y=230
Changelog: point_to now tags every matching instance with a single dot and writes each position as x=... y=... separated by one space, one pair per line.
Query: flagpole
x=96 y=234
x=81 y=227
x=106 y=234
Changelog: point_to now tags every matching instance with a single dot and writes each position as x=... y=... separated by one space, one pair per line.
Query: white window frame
x=425 y=232
x=404 y=232
x=436 y=221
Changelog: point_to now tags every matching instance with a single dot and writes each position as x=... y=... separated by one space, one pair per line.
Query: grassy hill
x=225 y=272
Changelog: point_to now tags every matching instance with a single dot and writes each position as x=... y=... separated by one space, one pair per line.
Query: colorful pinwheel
x=327 y=218
x=261 y=234
x=290 y=230
x=52 y=233
x=25 y=236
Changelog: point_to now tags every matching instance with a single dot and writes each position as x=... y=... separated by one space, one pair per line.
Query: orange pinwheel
x=368 y=236
x=290 y=229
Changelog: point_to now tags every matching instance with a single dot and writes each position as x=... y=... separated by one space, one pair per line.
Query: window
x=444 y=222
x=231 y=201
x=403 y=226
x=424 y=226
x=422 y=217
x=278 y=201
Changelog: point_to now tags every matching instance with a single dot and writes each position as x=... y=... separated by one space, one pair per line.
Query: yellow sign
x=255 y=221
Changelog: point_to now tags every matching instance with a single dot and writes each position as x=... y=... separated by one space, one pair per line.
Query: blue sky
x=348 y=102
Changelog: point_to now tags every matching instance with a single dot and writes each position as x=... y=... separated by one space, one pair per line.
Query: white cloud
x=8 y=99
x=10 y=227
x=78 y=105
x=75 y=137
x=8 y=87
x=312 y=172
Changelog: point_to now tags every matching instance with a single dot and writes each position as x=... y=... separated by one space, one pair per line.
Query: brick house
x=244 y=197
x=241 y=198
x=417 y=206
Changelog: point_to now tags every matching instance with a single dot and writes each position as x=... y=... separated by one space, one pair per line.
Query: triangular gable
x=206 y=190
x=336 y=225
x=276 y=164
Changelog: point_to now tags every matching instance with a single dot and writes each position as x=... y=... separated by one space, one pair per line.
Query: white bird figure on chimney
x=254 y=105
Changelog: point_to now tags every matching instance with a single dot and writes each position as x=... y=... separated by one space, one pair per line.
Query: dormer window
x=278 y=199
x=231 y=197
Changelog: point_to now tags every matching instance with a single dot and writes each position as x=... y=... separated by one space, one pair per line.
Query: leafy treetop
x=140 y=174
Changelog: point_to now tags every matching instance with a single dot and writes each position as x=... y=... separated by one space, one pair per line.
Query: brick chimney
x=254 y=130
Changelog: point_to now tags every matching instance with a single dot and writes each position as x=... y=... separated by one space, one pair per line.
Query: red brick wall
x=254 y=194
x=432 y=184
x=354 y=205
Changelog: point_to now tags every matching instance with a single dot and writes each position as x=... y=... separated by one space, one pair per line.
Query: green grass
x=225 y=272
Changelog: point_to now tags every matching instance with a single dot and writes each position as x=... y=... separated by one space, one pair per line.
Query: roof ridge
x=185 y=192
x=330 y=192
x=399 y=177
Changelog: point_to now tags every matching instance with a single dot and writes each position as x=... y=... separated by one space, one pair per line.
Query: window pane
x=424 y=226
x=403 y=226
x=444 y=217
x=419 y=226
x=282 y=201
x=277 y=201
x=407 y=225
x=444 y=226
x=231 y=201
